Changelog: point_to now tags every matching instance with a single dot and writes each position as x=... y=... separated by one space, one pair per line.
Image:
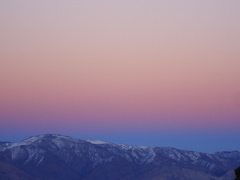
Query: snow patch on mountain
x=96 y=141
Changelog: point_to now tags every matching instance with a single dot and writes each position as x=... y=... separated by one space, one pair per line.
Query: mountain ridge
x=54 y=156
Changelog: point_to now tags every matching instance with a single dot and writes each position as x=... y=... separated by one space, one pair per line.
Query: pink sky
x=157 y=65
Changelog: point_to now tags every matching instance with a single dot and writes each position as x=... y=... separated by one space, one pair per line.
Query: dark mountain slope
x=59 y=157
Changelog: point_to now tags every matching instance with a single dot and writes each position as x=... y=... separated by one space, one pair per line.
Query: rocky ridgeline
x=60 y=157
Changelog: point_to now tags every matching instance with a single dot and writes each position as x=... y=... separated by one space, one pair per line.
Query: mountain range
x=58 y=157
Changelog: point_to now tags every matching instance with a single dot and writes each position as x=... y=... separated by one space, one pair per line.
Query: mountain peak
x=79 y=159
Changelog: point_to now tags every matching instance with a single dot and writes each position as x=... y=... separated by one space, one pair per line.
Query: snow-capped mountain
x=60 y=157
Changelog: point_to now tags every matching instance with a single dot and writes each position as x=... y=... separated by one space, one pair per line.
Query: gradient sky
x=159 y=73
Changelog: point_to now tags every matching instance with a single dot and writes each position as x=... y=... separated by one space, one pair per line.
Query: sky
x=157 y=73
